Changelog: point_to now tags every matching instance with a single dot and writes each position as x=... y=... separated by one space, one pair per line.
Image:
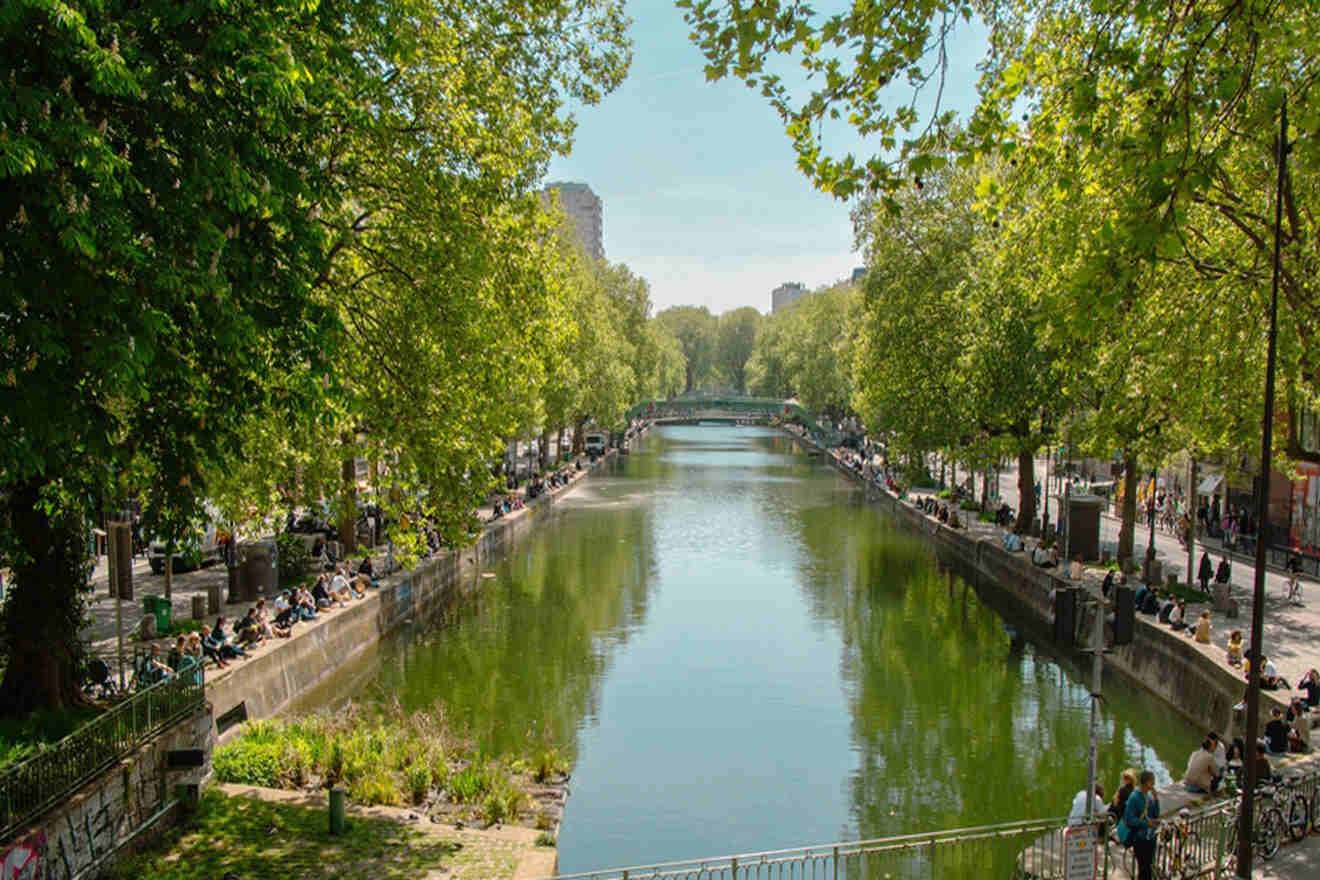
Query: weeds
x=387 y=756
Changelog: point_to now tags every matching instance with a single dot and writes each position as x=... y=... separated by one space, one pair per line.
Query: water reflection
x=743 y=655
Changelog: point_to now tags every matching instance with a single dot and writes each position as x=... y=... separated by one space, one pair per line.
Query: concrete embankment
x=270 y=681
x=1160 y=660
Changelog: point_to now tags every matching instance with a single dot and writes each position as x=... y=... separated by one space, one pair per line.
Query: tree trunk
x=545 y=447
x=578 y=427
x=44 y=606
x=1128 y=527
x=1026 y=489
x=347 y=524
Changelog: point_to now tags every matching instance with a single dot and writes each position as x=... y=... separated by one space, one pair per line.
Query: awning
x=1209 y=484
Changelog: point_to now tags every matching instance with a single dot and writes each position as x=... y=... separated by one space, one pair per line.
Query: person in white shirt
x=1077 y=815
x=1221 y=754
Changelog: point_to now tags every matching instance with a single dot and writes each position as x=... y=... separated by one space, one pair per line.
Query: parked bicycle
x=1296 y=808
x=1267 y=830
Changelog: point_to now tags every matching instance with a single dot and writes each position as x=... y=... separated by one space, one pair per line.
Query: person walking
x=1205 y=572
x=1140 y=816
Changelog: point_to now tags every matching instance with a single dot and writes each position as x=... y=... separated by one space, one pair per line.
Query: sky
x=699 y=185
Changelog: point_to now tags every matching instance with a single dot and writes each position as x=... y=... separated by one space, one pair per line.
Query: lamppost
x=1246 y=813
x=1150 y=517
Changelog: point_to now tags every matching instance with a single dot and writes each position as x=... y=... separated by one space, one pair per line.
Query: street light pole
x=1246 y=813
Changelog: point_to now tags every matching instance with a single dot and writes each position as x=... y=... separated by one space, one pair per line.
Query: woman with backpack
x=1137 y=829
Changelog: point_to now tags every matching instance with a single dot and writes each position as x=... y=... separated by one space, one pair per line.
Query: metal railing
x=987 y=851
x=1191 y=843
x=31 y=787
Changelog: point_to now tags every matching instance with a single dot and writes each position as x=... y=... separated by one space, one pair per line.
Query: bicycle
x=1296 y=809
x=1267 y=830
x=1181 y=846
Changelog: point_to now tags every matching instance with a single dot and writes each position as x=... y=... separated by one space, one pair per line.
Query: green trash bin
x=158 y=607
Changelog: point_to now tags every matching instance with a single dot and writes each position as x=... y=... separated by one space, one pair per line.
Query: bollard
x=336 y=810
x=199 y=607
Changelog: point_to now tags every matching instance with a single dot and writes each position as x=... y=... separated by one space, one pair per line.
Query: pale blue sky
x=701 y=192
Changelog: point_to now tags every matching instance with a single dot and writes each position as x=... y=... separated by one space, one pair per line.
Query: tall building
x=786 y=294
x=583 y=207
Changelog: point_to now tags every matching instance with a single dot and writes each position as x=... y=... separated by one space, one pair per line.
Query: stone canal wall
x=268 y=683
x=1158 y=659
x=80 y=837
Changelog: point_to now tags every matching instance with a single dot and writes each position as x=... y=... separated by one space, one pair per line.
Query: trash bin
x=158 y=607
x=257 y=574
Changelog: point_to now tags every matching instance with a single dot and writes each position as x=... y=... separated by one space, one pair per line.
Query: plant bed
x=22 y=738
x=393 y=758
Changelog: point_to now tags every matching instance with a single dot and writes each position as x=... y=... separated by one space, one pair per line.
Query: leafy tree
x=696 y=330
x=156 y=270
x=737 y=339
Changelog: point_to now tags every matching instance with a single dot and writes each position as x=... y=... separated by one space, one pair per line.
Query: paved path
x=1290 y=630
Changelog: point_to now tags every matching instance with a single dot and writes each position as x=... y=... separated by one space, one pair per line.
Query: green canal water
x=740 y=654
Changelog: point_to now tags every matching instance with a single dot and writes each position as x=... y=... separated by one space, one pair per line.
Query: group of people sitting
x=506 y=504
x=555 y=479
x=332 y=589
x=939 y=510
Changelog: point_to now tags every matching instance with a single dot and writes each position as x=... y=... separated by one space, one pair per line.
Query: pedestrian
x=1205 y=572
x=1137 y=829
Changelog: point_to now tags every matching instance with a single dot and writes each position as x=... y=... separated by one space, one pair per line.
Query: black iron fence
x=31 y=787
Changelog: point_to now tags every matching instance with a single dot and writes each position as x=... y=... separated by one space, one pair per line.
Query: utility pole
x=1191 y=524
x=1246 y=814
x=1097 y=670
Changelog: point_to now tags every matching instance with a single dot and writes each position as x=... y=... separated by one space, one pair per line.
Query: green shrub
x=494 y=808
x=543 y=821
x=944 y=493
x=418 y=776
x=377 y=786
x=549 y=763
x=468 y=785
x=249 y=762
x=294 y=558
x=545 y=838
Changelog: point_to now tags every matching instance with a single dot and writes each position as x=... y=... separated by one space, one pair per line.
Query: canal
x=739 y=654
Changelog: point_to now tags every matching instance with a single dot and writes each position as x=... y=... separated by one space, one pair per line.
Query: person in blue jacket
x=1140 y=817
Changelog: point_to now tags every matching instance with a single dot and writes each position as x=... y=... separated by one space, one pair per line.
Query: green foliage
x=545 y=838
x=294 y=558
x=697 y=331
x=383 y=756
x=470 y=784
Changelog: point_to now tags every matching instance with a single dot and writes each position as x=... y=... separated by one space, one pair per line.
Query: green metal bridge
x=692 y=409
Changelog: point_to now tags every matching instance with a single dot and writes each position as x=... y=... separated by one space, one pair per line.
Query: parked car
x=596 y=442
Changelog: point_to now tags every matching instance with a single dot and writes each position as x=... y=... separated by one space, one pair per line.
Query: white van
x=596 y=442
x=193 y=551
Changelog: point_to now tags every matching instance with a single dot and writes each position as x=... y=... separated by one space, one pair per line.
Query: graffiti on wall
x=91 y=829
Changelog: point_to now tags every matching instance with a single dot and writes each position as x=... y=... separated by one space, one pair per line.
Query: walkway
x=101 y=630
x=1290 y=630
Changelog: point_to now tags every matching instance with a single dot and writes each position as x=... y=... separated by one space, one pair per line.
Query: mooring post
x=336 y=810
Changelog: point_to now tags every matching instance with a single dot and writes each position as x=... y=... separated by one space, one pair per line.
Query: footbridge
x=692 y=409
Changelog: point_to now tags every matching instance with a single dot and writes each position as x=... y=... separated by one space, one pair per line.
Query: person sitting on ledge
x=1166 y=609
x=1311 y=684
x=1178 y=618
x=1203 y=626
x=1202 y=774
x=1139 y=601
x=1107 y=585
x=1012 y=542
x=944 y=513
x=1276 y=733
x=1075 y=569
x=1234 y=649
x=1270 y=678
